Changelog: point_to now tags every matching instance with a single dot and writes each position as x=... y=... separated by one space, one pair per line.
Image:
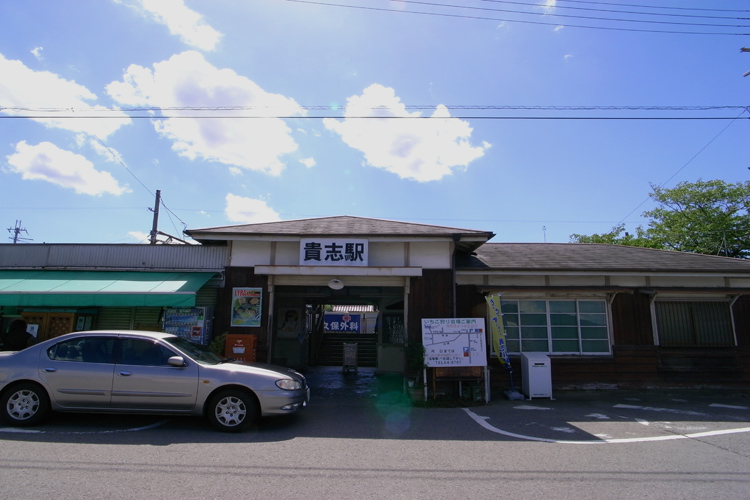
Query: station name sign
x=333 y=252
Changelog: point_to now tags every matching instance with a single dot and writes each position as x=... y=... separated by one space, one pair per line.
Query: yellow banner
x=497 y=328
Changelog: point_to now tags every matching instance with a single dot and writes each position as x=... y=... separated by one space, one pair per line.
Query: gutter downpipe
x=456 y=240
x=731 y=317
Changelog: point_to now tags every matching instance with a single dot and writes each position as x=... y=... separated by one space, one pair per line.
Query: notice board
x=454 y=342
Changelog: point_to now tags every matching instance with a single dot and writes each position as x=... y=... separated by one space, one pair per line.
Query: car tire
x=24 y=405
x=232 y=410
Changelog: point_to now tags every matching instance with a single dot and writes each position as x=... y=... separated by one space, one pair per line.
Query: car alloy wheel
x=232 y=410
x=25 y=404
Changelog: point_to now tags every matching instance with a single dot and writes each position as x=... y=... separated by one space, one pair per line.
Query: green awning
x=34 y=288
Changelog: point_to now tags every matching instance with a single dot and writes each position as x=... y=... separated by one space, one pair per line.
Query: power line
x=704 y=9
x=524 y=21
x=685 y=165
x=588 y=18
x=609 y=9
x=457 y=117
x=117 y=158
x=328 y=107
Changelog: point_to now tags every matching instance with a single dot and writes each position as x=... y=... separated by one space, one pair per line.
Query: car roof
x=119 y=333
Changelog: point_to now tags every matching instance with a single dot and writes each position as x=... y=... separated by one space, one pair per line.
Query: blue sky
x=244 y=111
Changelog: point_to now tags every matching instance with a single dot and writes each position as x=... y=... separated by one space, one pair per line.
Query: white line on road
x=731 y=407
x=16 y=430
x=483 y=422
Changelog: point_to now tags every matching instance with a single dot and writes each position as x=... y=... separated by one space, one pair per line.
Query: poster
x=246 y=306
x=454 y=342
x=291 y=323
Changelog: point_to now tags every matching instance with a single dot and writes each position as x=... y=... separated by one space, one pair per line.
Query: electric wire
x=664 y=14
x=524 y=21
x=662 y=7
x=570 y=16
x=443 y=118
x=685 y=165
x=119 y=160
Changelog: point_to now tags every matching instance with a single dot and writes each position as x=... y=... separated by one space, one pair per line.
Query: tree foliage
x=710 y=217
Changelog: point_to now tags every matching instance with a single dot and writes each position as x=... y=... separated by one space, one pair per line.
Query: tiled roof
x=340 y=225
x=344 y=225
x=595 y=257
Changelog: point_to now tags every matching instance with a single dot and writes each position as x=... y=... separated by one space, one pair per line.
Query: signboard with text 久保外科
x=333 y=252
x=342 y=323
x=454 y=342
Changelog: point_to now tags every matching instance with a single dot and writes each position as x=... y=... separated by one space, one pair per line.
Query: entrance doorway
x=312 y=324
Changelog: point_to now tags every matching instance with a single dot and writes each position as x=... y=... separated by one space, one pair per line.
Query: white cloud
x=37 y=51
x=308 y=162
x=181 y=21
x=140 y=237
x=248 y=210
x=24 y=92
x=107 y=153
x=422 y=149
x=47 y=162
x=188 y=80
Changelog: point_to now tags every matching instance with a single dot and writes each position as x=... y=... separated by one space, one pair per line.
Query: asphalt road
x=356 y=440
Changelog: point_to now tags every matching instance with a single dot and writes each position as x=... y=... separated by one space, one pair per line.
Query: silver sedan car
x=142 y=372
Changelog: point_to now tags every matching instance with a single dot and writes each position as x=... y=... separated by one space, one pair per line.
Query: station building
x=607 y=316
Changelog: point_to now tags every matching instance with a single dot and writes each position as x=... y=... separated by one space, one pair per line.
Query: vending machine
x=192 y=323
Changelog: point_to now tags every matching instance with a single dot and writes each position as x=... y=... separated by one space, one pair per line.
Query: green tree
x=710 y=217
x=618 y=236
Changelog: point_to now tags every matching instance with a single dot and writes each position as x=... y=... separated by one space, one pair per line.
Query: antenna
x=16 y=232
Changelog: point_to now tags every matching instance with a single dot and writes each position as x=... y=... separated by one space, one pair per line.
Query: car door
x=144 y=380
x=79 y=372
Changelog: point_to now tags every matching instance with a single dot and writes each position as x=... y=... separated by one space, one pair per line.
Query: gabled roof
x=344 y=225
x=594 y=257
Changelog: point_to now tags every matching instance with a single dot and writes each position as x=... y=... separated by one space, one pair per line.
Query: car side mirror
x=178 y=361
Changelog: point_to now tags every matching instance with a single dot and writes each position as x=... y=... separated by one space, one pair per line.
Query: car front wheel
x=232 y=410
x=24 y=404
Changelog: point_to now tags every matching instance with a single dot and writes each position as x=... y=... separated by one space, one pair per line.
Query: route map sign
x=454 y=342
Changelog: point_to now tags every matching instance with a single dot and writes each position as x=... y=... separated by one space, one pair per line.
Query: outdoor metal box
x=536 y=373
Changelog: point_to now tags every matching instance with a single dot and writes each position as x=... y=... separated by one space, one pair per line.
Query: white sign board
x=454 y=342
x=333 y=252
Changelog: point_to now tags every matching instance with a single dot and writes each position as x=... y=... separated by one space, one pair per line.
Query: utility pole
x=16 y=232
x=745 y=49
x=155 y=225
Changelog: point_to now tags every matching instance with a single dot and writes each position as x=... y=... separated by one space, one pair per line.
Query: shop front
x=60 y=289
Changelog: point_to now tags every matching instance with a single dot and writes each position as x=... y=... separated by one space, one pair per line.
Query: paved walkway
x=585 y=417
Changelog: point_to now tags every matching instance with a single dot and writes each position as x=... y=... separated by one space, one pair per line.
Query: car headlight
x=288 y=384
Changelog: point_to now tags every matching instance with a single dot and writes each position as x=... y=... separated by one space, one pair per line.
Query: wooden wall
x=242 y=277
x=430 y=296
x=635 y=361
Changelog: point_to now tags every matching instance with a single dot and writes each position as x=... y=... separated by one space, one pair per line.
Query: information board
x=454 y=342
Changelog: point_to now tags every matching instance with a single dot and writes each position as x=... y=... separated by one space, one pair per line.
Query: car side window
x=86 y=350
x=144 y=352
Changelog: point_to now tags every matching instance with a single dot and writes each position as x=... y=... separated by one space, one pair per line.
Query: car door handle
x=50 y=370
x=126 y=374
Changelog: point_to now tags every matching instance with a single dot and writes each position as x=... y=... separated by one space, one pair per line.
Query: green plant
x=415 y=362
x=217 y=345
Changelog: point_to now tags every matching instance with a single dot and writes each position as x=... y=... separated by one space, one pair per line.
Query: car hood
x=262 y=369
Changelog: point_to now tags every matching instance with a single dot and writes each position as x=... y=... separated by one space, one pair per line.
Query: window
x=87 y=350
x=144 y=353
x=557 y=326
x=694 y=324
x=393 y=329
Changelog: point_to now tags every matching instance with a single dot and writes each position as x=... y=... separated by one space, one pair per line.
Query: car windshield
x=197 y=352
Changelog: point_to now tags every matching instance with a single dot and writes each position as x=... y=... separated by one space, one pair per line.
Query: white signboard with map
x=454 y=342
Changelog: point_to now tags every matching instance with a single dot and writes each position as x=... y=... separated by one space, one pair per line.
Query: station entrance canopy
x=37 y=288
